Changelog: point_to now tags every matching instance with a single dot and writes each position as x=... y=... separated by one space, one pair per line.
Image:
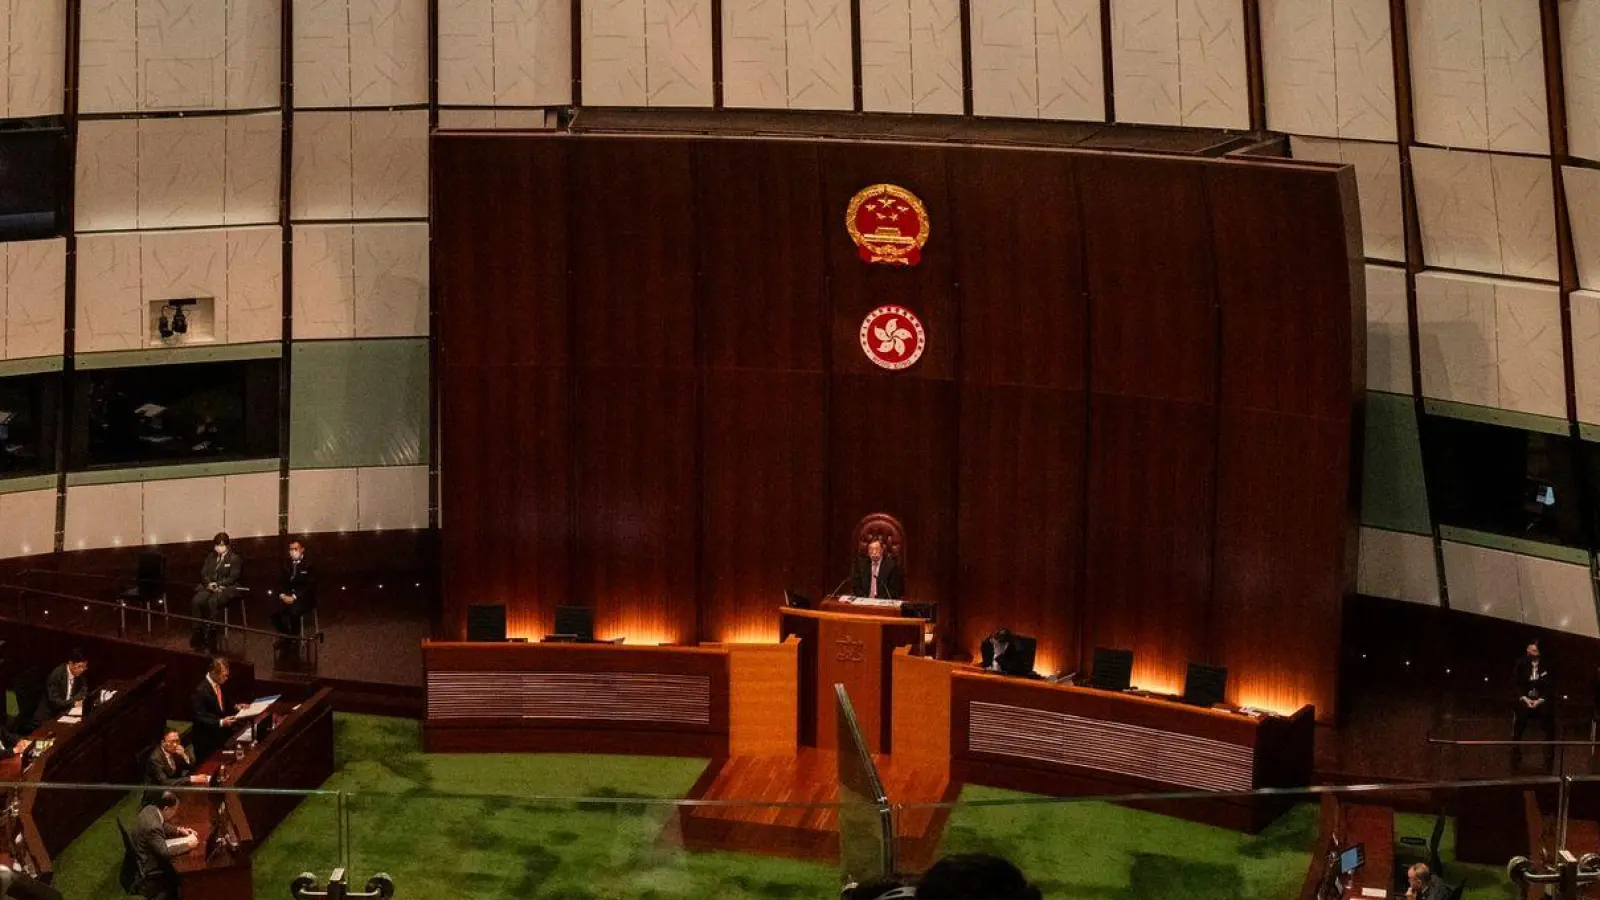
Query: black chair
x=1413 y=849
x=149 y=589
x=128 y=875
x=29 y=687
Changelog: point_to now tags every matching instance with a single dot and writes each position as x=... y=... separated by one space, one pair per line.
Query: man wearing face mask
x=298 y=597
x=219 y=579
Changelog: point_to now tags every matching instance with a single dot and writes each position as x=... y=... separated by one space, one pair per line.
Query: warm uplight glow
x=1265 y=704
x=749 y=634
x=640 y=637
x=1046 y=664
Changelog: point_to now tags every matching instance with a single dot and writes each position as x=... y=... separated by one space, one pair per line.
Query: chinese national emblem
x=892 y=337
x=888 y=224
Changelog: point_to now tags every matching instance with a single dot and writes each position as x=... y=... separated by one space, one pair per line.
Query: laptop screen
x=1352 y=859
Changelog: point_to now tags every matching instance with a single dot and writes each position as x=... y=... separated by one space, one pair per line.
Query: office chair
x=128 y=875
x=238 y=597
x=149 y=589
x=1413 y=849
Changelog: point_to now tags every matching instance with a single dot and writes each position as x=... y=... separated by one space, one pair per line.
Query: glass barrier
x=78 y=839
x=866 y=820
x=1313 y=844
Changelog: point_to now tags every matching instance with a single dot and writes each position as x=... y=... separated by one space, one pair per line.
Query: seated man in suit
x=219 y=579
x=210 y=712
x=877 y=575
x=64 y=689
x=157 y=879
x=298 y=596
x=170 y=764
x=1002 y=653
x=1421 y=885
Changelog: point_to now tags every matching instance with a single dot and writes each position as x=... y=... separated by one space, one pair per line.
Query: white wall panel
x=32 y=57
x=1213 y=86
x=1534 y=591
x=1486 y=213
x=120 y=274
x=754 y=73
x=911 y=56
x=1364 y=65
x=1005 y=59
x=361 y=53
x=170 y=173
x=1557 y=595
x=1144 y=61
x=467 y=52
x=1297 y=60
x=613 y=45
x=1580 y=49
x=1388 y=331
x=33 y=294
x=250 y=505
x=361 y=281
x=321 y=54
x=1069 y=39
x=392 y=498
x=820 y=58
x=108 y=67
x=1477 y=71
x=104 y=515
x=1583 y=210
x=182 y=510
x=255 y=53
x=1586 y=354
x=678 y=52
x=533 y=52
x=1491 y=343
x=27 y=523
x=1378 y=185
x=363 y=164
x=1398 y=566
x=150 y=55
x=322 y=500
x=1482 y=581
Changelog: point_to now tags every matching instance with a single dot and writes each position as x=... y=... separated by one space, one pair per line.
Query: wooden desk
x=1372 y=827
x=853 y=650
x=297 y=755
x=102 y=749
x=1031 y=735
x=575 y=698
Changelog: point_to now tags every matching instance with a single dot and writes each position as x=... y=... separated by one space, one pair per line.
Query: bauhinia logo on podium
x=851 y=649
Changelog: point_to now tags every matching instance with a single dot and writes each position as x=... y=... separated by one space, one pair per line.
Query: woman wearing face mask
x=297 y=598
x=219 y=579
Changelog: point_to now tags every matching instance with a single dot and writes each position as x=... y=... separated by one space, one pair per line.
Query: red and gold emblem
x=892 y=337
x=889 y=225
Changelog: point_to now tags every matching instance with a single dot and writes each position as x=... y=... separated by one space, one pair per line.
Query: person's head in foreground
x=975 y=876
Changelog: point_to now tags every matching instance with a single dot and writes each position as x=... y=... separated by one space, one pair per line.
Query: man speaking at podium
x=877 y=575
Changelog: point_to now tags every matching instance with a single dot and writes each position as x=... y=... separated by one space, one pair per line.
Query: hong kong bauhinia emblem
x=889 y=225
x=892 y=337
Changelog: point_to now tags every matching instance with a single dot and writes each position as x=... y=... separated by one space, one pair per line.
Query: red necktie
x=218 y=691
x=874 y=593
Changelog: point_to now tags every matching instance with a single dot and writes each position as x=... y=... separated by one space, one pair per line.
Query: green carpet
x=454 y=826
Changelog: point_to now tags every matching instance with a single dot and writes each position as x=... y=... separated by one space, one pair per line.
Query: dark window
x=1502 y=480
x=28 y=424
x=31 y=168
x=195 y=412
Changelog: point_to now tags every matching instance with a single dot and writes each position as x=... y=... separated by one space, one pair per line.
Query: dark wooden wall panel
x=1285 y=292
x=1152 y=310
x=633 y=240
x=1281 y=532
x=763 y=306
x=499 y=307
x=1148 y=533
x=1019 y=268
x=1021 y=518
x=508 y=536
x=636 y=502
x=764 y=502
x=856 y=288
x=891 y=449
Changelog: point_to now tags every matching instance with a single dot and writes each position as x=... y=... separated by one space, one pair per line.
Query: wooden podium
x=854 y=650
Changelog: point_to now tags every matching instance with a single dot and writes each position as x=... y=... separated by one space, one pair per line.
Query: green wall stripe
x=358 y=404
x=1518 y=546
x=33 y=365
x=1394 y=494
x=122 y=359
x=28 y=483
x=170 y=473
x=1490 y=415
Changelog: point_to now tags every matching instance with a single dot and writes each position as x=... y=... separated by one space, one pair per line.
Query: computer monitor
x=797 y=600
x=1113 y=669
x=486 y=623
x=577 y=621
x=1352 y=858
x=1205 y=685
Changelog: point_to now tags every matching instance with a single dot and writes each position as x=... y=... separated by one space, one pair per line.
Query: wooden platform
x=803 y=827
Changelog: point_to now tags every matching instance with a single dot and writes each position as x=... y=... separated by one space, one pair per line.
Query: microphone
x=835 y=591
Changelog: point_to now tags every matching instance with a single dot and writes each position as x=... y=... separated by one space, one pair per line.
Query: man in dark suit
x=298 y=596
x=877 y=575
x=157 y=879
x=209 y=711
x=219 y=579
x=65 y=688
x=1002 y=654
x=1535 y=701
x=1421 y=885
x=170 y=763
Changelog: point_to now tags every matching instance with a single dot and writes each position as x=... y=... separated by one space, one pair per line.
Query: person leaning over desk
x=151 y=834
x=64 y=689
x=210 y=712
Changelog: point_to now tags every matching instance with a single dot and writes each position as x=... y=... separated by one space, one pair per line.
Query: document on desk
x=70 y=719
x=257 y=707
x=1374 y=892
x=182 y=844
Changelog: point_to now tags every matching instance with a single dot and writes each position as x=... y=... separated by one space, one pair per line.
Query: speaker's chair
x=886 y=528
